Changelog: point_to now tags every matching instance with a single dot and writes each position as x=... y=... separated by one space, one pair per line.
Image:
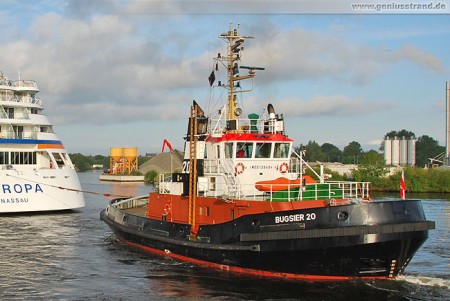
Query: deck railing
x=280 y=192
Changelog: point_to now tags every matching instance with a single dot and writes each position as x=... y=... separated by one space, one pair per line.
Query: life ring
x=284 y=167
x=239 y=168
x=167 y=207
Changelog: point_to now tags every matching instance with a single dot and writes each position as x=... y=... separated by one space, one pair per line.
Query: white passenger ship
x=36 y=173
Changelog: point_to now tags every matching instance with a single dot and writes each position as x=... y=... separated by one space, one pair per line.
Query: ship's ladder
x=231 y=181
x=193 y=169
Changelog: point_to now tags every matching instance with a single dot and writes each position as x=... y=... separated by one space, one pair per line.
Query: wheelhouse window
x=281 y=150
x=229 y=150
x=244 y=150
x=263 y=150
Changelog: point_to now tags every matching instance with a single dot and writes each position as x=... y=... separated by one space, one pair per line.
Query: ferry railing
x=24 y=83
x=11 y=134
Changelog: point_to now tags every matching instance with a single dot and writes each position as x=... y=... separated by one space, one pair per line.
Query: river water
x=75 y=256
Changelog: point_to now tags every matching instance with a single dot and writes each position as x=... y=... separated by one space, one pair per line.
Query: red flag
x=402 y=186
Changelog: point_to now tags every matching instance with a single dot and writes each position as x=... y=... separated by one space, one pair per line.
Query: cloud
x=297 y=54
x=417 y=56
x=106 y=63
x=337 y=105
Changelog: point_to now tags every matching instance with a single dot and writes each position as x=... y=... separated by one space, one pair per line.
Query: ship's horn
x=271 y=111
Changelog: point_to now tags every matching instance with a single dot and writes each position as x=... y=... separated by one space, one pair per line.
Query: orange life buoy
x=284 y=167
x=167 y=207
x=239 y=168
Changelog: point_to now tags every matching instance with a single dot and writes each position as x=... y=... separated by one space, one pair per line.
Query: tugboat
x=243 y=202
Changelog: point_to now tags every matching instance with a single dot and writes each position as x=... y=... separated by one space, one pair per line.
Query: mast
x=193 y=169
x=235 y=47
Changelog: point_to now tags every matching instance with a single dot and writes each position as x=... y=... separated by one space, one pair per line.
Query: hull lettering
x=21 y=188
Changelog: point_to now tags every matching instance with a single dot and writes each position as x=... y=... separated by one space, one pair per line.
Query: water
x=74 y=256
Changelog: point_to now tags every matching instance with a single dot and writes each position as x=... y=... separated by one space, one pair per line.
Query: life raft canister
x=283 y=167
x=239 y=168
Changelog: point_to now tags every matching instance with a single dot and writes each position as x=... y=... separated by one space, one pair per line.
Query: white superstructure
x=36 y=173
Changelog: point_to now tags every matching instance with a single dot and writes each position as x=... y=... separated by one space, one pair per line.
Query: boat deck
x=139 y=211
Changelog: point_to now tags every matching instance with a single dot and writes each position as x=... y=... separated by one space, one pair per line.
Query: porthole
x=343 y=215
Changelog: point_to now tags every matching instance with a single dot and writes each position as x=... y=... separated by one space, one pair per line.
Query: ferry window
x=24 y=158
x=58 y=159
x=244 y=150
x=263 y=150
x=281 y=150
x=66 y=158
x=10 y=113
x=4 y=158
x=228 y=150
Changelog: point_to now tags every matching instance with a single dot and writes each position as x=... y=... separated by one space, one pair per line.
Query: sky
x=117 y=73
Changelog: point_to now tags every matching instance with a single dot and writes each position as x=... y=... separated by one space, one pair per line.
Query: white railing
x=283 y=192
x=139 y=201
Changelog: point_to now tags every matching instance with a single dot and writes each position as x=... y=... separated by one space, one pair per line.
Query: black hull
x=375 y=240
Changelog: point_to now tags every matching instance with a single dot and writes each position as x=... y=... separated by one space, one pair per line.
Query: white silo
x=403 y=156
x=412 y=152
x=388 y=151
x=395 y=151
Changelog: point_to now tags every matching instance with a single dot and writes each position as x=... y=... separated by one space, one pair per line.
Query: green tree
x=150 y=177
x=427 y=147
x=352 y=153
x=371 y=168
x=398 y=134
x=81 y=162
x=313 y=152
x=332 y=153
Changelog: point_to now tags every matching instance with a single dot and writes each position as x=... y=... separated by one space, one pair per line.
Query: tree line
x=426 y=148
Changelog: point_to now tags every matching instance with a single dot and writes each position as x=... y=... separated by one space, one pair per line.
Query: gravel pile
x=164 y=163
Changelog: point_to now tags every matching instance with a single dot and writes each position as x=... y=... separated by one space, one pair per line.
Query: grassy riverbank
x=417 y=180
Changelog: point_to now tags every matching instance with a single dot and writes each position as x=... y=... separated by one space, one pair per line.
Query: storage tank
x=130 y=156
x=395 y=151
x=115 y=160
x=411 y=152
x=388 y=151
x=403 y=151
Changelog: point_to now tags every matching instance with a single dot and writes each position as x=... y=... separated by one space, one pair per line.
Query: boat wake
x=426 y=281
x=414 y=287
